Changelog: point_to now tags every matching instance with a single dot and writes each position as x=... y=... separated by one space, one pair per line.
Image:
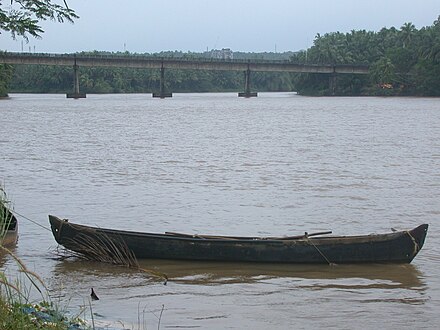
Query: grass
x=17 y=311
x=43 y=315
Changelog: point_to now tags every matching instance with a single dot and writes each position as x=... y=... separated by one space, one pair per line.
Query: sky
x=148 y=26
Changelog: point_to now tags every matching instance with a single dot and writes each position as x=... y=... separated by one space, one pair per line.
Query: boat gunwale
x=231 y=239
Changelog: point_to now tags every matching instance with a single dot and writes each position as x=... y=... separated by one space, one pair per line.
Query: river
x=278 y=164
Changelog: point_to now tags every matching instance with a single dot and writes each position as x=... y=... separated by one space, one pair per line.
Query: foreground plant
x=24 y=17
x=17 y=310
x=43 y=315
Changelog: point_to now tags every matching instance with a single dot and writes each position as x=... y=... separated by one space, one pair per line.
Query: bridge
x=181 y=63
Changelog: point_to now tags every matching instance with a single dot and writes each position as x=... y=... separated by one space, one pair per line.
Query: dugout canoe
x=395 y=247
x=8 y=230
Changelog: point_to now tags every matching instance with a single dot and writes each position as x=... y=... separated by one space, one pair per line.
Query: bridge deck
x=151 y=62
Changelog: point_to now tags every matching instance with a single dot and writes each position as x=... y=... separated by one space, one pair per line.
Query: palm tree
x=407 y=32
x=382 y=71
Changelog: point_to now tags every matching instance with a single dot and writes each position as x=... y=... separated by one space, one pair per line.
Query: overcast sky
x=242 y=25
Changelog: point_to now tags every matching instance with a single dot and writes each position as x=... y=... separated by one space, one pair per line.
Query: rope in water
x=33 y=221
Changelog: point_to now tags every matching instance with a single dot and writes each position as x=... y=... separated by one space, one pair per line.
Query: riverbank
x=35 y=316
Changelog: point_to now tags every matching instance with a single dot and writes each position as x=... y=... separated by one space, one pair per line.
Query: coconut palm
x=407 y=32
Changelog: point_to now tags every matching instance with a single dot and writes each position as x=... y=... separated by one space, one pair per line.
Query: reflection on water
x=217 y=273
x=211 y=273
x=200 y=292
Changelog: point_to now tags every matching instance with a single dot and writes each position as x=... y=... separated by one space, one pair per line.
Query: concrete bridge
x=162 y=63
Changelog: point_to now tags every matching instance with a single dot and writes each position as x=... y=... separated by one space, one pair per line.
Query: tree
x=430 y=42
x=5 y=77
x=23 y=17
x=382 y=71
x=407 y=31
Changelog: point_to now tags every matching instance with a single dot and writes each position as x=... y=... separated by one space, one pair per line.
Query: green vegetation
x=5 y=78
x=18 y=312
x=44 y=315
x=403 y=61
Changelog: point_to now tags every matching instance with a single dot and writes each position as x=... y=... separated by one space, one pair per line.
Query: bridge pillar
x=76 y=94
x=247 y=85
x=333 y=83
x=162 y=93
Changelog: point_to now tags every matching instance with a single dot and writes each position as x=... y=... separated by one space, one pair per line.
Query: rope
x=34 y=222
x=320 y=252
x=416 y=245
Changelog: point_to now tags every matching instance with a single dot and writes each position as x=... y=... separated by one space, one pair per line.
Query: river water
x=278 y=164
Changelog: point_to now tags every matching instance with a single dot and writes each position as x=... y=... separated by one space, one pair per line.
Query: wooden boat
x=9 y=234
x=396 y=247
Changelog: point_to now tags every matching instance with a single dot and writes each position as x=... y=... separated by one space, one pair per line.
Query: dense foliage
x=5 y=78
x=402 y=62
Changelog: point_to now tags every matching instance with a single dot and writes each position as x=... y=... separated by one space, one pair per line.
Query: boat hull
x=398 y=247
x=9 y=234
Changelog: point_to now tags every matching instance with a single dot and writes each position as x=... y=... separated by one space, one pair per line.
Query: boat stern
x=418 y=236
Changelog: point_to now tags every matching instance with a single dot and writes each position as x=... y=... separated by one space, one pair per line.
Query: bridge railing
x=157 y=57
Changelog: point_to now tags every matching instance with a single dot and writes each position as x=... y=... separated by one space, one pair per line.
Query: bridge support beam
x=76 y=94
x=333 y=83
x=162 y=93
x=247 y=85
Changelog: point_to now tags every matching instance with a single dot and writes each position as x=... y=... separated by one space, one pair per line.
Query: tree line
x=404 y=61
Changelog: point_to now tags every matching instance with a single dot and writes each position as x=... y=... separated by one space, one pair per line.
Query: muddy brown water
x=279 y=164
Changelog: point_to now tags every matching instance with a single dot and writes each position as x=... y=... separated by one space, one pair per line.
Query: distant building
x=222 y=54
